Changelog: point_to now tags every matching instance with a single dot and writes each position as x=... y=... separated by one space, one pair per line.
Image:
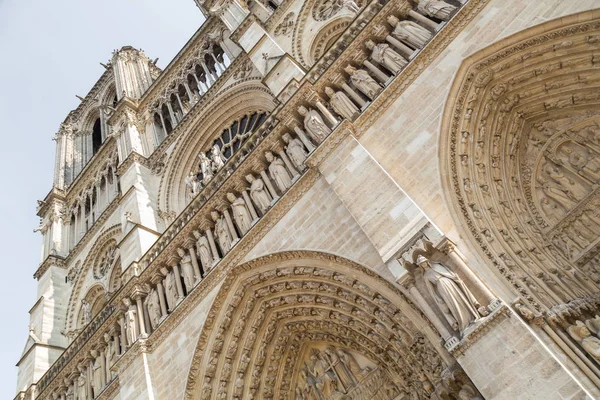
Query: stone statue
x=409 y=32
x=187 y=270
x=81 y=387
x=222 y=232
x=170 y=288
x=384 y=55
x=450 y=293
x=218 y=160
x=258 y=193
x=570 y=187
x=436 y=9
x=203 y=251
x=278 y=172
x=153 y=307
x=350 y=5
x=580 y=333
x=193 y=184
x=98 y=374
x=593 y=325
x=110 y=354
x=558 y=195
x=363 y=81
x=205 y=168
x=295 y=151
x=341 y=104
x=70 y=393
x=314 y=124
x=131 y=326
x=86 y=309
x=240 y=212
x=580 y=160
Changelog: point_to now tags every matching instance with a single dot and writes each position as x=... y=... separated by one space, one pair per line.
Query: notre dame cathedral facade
x=329 y=200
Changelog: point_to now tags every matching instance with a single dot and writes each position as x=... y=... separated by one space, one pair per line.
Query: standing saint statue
x=218 y=160
x=259 y=194
x=295 y=151
x=205 y=168
x=97 y=374
x=314 y=124
x=170 y=288
x=82 y=387
x=278 y=173
x=203 y=251
x=222 y=232
x=131 y=326
x=363 y=81
x=409 y=32
x=341 y=104
x=436 y=9
x=384 y=55
x=450 y=293
x=193 y=184
x=240 y=212
x=153 y=307
x=187 y=269
x=86 y=309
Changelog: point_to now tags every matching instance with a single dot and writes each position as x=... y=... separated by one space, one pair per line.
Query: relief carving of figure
x=574 y=190
x=258 y=193
x=205 y=168
x=591 y=344
x=218 y=160
x=111 y=354
x=86 y=309
x=409 y=32
x=222 y=232
x=436 y=9
x=131 y=326
x=341 y=104
x=187 y=269
x=170 y=288
x=450 y=293
x=153 y=307
x=593 y=325
x=363 y=81
x=559 y=196
x=240 y=213
x=203 y=251
x=295 y=151
x=384 y=55
x=314 y=124
x=325 y=380
x=278 y=172
x=580 y=160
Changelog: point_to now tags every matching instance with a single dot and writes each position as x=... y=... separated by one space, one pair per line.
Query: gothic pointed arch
x=520 y=156
x=222 y=115
x=322 y=327
x=96 y=298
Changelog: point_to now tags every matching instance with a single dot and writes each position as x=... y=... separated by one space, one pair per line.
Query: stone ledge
x=473 y=334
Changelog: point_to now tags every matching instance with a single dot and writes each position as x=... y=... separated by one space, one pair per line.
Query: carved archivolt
x=308 y=325
x=520 y=157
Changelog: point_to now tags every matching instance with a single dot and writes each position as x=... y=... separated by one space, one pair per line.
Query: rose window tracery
x=105 y=261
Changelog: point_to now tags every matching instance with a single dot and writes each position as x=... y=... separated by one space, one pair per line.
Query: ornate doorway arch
x=304 y=324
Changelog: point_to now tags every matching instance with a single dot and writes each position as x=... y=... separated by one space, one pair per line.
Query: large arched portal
x=307 y=325
x=520 y=161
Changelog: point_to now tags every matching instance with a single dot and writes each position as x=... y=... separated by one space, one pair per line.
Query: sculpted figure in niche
x=111 y=354
x=81 y=387
x=240 y=212
x=553 y=210
x=258 y=194
x=436 y=9
x=450 y=293
x=574 y=190
x=218 y=160
x=316 y=368
x=193 y=184
x=295 y=151
x=170 y=288
x=70 y=393
x=98 y=374
x=341 y=104
x=203 y=251
x=187 y=270
x=222 y=232
x=363 y=81
x=593 y=325
x=563 y=198
x=409 y=32
x=581 y=160
x=384 y=55
x=86 y=309
x=153 y=306
x=580 y=333
x=205 y=168
x=278 y=172
x=314 y=124
x=131 y=327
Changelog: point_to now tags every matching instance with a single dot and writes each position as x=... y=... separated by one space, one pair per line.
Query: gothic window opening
x=96 y=136
x=232 y=138
x=210 y=63
x=168 y=124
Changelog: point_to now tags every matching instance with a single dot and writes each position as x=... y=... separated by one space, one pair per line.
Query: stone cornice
x=110 y=391
x=50 y=261
x=479 y=330
x=54 y=195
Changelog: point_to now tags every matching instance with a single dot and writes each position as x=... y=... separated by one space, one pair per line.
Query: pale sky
x=50 y=52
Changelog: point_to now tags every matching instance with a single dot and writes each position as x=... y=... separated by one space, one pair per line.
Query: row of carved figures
x=386 y=59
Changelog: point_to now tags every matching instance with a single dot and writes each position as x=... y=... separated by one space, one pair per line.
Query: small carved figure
x=570 y=187
x=581 y=160
x=70 y=395
x=341 y=104
x=278 y=172
x=153 y=307
x=436 y=9
x=205 y=168
x=384 y=55
x=240 y=213
x=222 y=232
x=409 y=32
x=131 y=326
x=580 y=333
x=187 y=269
x=295 y=151
x=450 y=293
x=314 y=124
x=350 y=5
x=593 y=325
x=258 y=193
x=363 y=81
x=86 y=309
x=97 y=374
x=81 y=387
x=193 y=184
x=218 y=160
x=203 y=251
x=111 y=355
x=170 y=288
